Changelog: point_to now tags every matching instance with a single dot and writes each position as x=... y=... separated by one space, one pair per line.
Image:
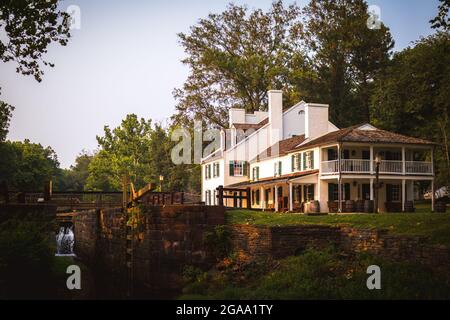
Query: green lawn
x=436 y=226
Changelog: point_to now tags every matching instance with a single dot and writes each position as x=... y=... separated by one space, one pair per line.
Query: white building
x=296 y=159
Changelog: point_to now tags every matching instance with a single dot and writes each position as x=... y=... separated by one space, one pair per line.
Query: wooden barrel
x=349 y=206
x=314 y=206
x=409 y=206
x=368 y=206
x=359 y=206
x=440 y=207
x=332 y=206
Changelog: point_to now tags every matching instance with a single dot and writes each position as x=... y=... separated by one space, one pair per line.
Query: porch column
x=403 y=194
x=276 y=198
x=371 y=160
x=291 y=200
x=263 y=198
x=371 y=189
x=403 y=160
x=432 y=195
x=339 y=179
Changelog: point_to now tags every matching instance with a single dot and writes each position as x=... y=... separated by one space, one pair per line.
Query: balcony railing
x=386 y=166
x=389 y=166
x=419 y=167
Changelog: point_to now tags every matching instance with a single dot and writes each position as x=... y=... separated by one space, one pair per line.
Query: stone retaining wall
x=166 y=239
x=279 y=242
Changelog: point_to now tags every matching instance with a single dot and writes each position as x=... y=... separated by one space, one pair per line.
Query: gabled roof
x=283 y=178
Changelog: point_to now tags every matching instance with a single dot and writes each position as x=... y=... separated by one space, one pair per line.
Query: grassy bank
x=324 y=274
x=436 y=226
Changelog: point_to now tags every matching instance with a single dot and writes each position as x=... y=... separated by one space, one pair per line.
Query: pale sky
x=126 y=59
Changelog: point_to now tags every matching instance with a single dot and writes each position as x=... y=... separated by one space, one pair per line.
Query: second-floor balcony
x=386 y=167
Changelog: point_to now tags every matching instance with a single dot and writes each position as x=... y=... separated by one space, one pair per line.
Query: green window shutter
x=280 y=167
x=218 y=169
x=304 y=160
x=293 y=163
x=275 y=168
x=312 y=159
x=245 y=168
x=231 y=168
x=209 y=171
x=257 y=172
x=298 y=159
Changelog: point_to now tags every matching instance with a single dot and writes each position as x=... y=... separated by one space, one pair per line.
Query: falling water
x=64 y=241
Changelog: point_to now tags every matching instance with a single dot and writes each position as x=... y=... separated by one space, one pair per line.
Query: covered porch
x=294 y=194
x=360 y=193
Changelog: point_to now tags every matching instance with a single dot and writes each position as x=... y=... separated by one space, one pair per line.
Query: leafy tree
x=143 y=152
x=412 y=97
x=347 y=56
x=123 y=150
x=74 y=179
x=30 y=26
x=235 y=57
x=27 y=166
x=5 y=116
x=441 y=21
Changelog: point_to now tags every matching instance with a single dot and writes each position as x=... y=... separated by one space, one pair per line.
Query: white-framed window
x=255 y=173
x=216 y=169
x=208 y=197
x=296 y=162
x=393 y=192
x=308 y=160
x=278 y=168
x=208 y=171
x=238 y=168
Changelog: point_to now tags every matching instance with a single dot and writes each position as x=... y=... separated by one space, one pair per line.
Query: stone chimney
x=316 y=120
x=275 y=116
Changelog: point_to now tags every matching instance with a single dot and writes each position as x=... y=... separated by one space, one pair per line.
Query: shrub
x=217 y=242
x=26 y=260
